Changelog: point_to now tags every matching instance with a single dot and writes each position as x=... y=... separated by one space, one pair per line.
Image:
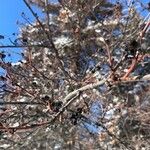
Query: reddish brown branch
x=145 y=29
x=131 y=68
x=109 y=54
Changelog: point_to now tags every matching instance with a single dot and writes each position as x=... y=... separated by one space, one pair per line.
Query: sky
x=10 y=14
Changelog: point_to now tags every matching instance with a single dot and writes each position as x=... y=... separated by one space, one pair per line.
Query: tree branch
x=21 y=46
x=21 y=103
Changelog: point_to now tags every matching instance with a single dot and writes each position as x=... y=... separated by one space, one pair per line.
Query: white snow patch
x=62 y=40
x=16 y=124
x=4 y=146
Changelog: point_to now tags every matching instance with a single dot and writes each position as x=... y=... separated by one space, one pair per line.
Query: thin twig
x=21 y=103
x=21 y=46
x=132 y=67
